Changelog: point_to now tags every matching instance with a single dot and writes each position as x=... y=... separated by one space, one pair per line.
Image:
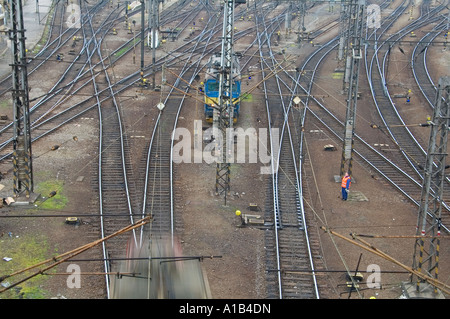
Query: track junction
x=95 y=73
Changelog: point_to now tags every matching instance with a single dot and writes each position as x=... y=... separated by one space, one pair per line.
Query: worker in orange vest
x=346 y=181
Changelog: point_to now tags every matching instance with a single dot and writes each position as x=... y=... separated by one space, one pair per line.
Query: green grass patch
x=5 y=106
x=57 y=201
x=25 y=251
x=247 y=97
x=45 y=34
x=127 y=48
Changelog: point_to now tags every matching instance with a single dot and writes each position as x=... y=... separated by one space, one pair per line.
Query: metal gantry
x=142 y=40
x=426 y=249
x=22 y=156
x=354 y=13
x=154 y=24
x=223 y=113
x=343 y=37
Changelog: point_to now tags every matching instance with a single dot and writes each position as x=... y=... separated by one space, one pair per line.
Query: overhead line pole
x=344 y=27
x=22 y=156
x=350 y=53
x=153 y=17
x=223 y=114
x=426 y=248
x=142 y=40
x=355 y=14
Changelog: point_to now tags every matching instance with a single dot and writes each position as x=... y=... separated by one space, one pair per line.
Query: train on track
x=156 y=269
x=211 y=83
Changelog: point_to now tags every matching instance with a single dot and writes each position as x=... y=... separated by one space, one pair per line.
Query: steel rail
x=359 y=151
x=47 y=97
x=300 y=208
x=80 y=76
x=430 y=20
x=273 y=163
x=92 y=41
x=186 y=68
x=421 y=75
x=205 y=36
x=5 y=81
x=381 y=67
x=286 y=138
x=168 y=118
x=410 y=148
x=90 y=54
x=402 y=33
x=136 y=241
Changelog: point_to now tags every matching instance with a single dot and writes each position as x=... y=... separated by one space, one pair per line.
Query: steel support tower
x=301 y=25
x=344 y=28
x=354 y=53
x=154 y=24
x=142 y=40
x=426 y=248
x=22 y=156
x=223 y=113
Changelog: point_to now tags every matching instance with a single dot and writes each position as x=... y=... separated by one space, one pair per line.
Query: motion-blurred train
x=212 y=86
x=157 y=269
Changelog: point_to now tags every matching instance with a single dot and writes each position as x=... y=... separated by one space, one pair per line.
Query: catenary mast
x=22 y=156
x=223 y=113
x=352 y=48
x=426 y=248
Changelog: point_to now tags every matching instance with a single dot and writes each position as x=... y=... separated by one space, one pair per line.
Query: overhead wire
x=371 y=248
x=67 y=255
x=330 y=236
x=324 y=221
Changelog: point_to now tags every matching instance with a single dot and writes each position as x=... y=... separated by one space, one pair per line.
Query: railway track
x=114 y=204
x=397 y=171
x=377 y=161
x=58 y=36
x=287 y=245
x=117 y=195
x=422 y=75
x=376 y=65
x=157 y=196
x=157 y=165
x=291 y=254
x=399 y=132
x=48 y=113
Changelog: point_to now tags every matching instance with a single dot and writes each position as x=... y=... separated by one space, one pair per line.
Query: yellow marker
x=238 y=213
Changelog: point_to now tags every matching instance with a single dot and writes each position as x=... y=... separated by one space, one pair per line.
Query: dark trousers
x=344 y=193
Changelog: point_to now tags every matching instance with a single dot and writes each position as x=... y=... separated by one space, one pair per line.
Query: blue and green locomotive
x=212 y=86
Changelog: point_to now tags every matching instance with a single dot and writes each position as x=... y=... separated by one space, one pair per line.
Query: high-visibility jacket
x=346 y=181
